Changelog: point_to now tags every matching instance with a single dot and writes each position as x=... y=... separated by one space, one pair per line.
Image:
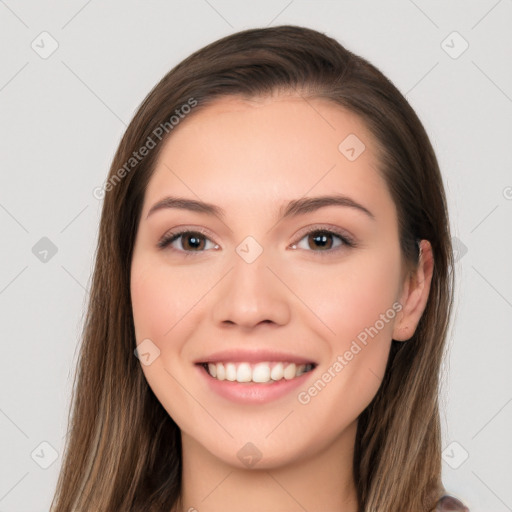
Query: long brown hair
x=123 y=452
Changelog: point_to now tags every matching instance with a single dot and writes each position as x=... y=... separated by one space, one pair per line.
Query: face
x=269 y=276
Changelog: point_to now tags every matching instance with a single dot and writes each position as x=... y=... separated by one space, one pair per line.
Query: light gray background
x=63 y=116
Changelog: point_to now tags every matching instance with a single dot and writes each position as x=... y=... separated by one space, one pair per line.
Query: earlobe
x=415 y=294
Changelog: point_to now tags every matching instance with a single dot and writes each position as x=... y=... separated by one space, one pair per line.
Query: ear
x=415 y=292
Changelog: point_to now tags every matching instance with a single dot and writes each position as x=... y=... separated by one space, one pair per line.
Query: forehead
x=242 y=152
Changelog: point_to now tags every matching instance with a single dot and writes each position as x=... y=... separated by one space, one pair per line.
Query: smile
x=264 y=372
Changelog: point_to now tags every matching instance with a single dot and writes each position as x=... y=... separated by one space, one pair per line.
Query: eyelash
x=348 y=242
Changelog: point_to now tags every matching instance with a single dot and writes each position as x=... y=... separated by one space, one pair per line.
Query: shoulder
x=450 y=504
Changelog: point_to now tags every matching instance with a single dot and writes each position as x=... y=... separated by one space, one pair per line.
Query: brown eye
x=324 y=241
x=320 y=239
x=191 y=241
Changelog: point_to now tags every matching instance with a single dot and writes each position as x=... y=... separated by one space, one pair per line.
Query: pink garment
x=450 y=504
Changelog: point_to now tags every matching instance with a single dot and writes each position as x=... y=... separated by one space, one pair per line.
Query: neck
x=320 y=483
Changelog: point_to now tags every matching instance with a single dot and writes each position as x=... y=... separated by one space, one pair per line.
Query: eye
x=194 y=241
x=322 y=239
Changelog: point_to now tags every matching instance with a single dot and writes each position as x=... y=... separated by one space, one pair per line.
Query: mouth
x=267 y=372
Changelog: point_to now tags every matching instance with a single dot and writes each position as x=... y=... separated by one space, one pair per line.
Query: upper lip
x=253 y=356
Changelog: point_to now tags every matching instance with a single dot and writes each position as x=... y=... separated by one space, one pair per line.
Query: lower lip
x=252 y=393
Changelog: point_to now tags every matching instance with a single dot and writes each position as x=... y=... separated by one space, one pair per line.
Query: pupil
x=195 y=241
x=321 y=239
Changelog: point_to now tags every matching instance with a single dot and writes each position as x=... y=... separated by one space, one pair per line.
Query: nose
x=251 y=294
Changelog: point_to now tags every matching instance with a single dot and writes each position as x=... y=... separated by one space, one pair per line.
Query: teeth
x=212 y=368
x=243 y=372
x=259 y=372
x=230 y=372
x=277 y=372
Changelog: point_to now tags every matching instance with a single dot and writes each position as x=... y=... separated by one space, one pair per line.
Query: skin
x=250 y=158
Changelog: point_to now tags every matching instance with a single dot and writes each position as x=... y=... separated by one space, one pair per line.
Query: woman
x=274 y=248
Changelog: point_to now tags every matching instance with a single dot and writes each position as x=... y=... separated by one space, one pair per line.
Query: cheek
x=150 y=306
x=357 y=301
x=358 y=307
x=166 y=304
x=156 y=315
x=352 y=296
x=163 y=311
x=160 y=298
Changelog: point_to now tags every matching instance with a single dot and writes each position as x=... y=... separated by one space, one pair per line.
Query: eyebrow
x=291 y=209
